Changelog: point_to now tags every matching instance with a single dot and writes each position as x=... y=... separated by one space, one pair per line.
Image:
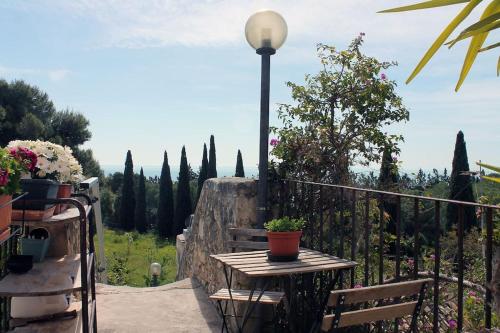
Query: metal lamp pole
x=265 y=31
x=265 y=53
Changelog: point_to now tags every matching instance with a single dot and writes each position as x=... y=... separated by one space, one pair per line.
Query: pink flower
x=472 y=293
x=4 y=177
x=274 y=142
x=24 y=156
x=358 y=286
x=433 y=257
x=383 y=76
x=452 y=323
x=411 y=263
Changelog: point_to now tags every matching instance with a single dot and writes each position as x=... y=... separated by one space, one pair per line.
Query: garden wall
x=224 y=203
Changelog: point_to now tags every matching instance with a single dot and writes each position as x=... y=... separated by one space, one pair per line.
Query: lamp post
x=155 y=270
x=266 y=32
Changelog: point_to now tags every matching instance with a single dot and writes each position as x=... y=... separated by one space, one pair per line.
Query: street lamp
x=155 y=271
x=266 y=32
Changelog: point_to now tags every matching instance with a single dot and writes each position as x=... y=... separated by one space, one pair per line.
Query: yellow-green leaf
x=493 y=179
x=443 y=36
x=475 y=44
x=488 y=166
x=471 y=33
x=489 y=47
x=424 y=5
x=498 y=67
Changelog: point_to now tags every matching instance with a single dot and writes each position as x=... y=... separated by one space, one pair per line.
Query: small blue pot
x=35 y=247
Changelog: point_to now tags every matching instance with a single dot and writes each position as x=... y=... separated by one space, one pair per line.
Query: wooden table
x=255 y=265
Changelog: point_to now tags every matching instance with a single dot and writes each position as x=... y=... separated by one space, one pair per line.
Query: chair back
x=395 y=300
x=245 y=239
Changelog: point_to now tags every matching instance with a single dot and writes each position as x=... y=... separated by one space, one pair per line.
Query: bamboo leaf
x=498 y=67
x=488 y=166
x=424 y=5
x=492 y=46
x=475 y=44
x=493 y=179
x=443 y=36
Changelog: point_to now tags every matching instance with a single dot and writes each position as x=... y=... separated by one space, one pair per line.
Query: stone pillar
x=224 y=203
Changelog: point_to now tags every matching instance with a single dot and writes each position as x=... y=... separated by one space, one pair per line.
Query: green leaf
x=475 y=44
x=443 y=36
x=498 y=67
x=492 y=46
x=488 y=166
x=424 y=5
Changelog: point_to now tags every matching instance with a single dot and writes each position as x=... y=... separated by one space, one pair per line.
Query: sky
x=154 y=75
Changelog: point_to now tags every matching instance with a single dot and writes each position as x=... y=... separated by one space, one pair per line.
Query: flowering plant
x=54 y=161
x=11 y=170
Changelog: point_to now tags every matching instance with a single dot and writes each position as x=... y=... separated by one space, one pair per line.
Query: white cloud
x=58 y=74
x=140 y=23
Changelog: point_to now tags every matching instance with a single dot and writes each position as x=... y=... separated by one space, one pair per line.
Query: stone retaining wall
x=224 y=203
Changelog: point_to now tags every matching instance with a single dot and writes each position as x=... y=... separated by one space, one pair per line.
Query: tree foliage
x=140 y=208
x=27 y=113
x=203 y=175
x=461 y=186
x=183 y=207
x=240 y=172
x=339 y=116
x=127 y=203
x=166 y=201
x=212 y=163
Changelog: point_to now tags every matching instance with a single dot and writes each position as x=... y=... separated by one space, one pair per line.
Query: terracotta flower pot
x=5 y=212
x=284 y=243
x=63 y=192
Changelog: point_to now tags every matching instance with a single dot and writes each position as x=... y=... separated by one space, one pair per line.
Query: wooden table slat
x=300 y=270
x=275 y=265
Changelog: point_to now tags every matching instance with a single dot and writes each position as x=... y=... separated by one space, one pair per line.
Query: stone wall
x=224 y=203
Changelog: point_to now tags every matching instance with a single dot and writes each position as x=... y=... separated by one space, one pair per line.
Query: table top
x=256 y=263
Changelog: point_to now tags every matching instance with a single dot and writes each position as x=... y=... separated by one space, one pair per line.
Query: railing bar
x=353 y=236
x=381 y=241
x=416 y=226
x=331 y=223
x=311 y=216
x=367 y=239
x=320 y=218
x=489 y=258
x=403 y=195
x=398 y=238
x=460 y=301
x=342 y=233
x=437 y=259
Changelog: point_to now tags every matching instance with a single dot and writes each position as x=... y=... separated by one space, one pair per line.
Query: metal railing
x=351 y=222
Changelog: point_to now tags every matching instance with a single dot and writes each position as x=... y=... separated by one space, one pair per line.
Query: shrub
x=285 y=224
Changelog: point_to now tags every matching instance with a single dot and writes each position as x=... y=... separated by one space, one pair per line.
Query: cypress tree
x=240 y=172
x=183 y=207
x=166 y=201
x=127 y=204
x=140 y=208
x=388 y=181
x=212 y=164
x=461 y=186
x=203 y=172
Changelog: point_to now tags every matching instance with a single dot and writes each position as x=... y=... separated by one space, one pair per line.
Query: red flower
x=25 y=156
x=4 y=177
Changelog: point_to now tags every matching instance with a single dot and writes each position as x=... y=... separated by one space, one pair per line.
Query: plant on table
x=284 y=235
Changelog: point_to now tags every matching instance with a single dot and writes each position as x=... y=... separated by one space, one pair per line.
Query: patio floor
x=181 y=306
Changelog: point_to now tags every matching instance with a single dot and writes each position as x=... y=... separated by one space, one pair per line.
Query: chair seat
x=269 y=297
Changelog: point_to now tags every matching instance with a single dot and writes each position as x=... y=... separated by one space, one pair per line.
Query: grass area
x=129 y=254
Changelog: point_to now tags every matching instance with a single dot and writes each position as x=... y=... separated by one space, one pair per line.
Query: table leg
x=319 y=314
x=250 y=306
x=229 y=280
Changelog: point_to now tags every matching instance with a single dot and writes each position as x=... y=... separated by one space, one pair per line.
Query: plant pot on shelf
x=36 y=244
x=38 y=189
x=64 y=191
x=284 y=244
x=5 y=212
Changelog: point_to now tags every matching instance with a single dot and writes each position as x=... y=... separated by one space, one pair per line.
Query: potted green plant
x=12 y=165
x=55 y=172
x=284 y=236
